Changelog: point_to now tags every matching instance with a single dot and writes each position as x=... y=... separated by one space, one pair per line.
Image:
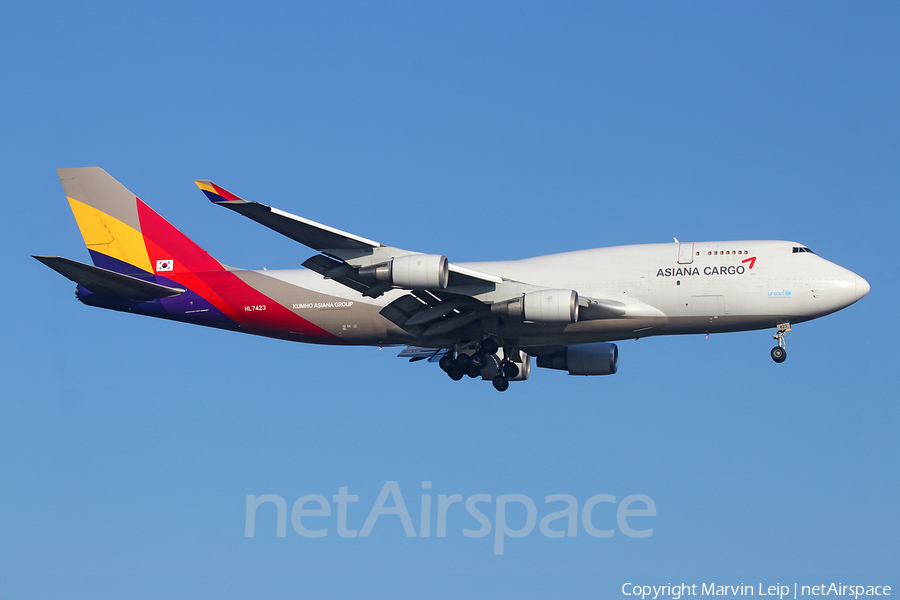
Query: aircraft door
x=685 y=254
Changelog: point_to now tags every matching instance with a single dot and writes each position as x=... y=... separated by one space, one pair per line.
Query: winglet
x=217 y=194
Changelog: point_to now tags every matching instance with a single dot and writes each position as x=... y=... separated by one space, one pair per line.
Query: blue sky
x=128 y=445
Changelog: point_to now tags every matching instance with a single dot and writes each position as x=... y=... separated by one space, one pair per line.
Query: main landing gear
x=464 y=364
x=779 y=354
x=473 y=364
x=508 y=370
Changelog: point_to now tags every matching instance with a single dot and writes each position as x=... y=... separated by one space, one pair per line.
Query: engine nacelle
x=584 y=359
x=421 y=271
x=542 y=306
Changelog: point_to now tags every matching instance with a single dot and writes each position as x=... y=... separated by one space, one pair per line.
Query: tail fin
x=145 y=265
x=125 y=235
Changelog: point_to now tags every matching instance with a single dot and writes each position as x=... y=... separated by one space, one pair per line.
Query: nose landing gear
x=779 y=354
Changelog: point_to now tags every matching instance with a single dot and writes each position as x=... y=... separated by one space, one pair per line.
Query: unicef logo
x=783 y=294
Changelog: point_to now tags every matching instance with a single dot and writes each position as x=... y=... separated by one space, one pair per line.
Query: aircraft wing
x=351 y=249
x=309 y=233
x=443 y=299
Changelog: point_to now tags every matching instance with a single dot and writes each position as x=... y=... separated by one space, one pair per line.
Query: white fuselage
x=671 y=288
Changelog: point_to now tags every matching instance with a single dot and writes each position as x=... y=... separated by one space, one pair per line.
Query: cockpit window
x=802 y=249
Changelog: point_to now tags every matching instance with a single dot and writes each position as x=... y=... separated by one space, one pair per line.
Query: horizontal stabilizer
x=108 y=283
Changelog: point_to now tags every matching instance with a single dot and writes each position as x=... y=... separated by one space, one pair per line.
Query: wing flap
x=340 y=272
x=452 y=323
x=417 y=353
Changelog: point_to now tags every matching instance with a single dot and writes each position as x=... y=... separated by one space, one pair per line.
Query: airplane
x=485 y=319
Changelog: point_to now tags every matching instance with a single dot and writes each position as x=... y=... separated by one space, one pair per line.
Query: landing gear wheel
x=510 y=370
x=474 y=370
x=489 y=346
x=501 y=383
x=778 y=352
x=445 y=363
x=456 y=373
x=463 y=361
x=479 y=360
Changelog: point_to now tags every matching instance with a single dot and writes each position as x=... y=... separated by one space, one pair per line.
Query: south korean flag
x=165 y=265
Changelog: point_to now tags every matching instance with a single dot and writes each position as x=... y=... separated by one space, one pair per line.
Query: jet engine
x=542 y=306
x=418 y=271
x=583 y=359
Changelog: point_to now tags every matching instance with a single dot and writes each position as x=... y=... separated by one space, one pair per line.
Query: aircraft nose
x=862 y=287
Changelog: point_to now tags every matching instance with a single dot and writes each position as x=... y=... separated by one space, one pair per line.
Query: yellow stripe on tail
x=110 y=236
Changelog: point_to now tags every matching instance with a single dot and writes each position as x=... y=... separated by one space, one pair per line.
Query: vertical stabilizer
x=122 y=233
